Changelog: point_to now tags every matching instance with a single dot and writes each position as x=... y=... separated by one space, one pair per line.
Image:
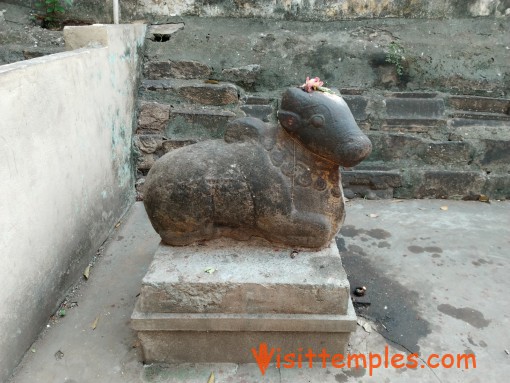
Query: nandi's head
x=323 y=123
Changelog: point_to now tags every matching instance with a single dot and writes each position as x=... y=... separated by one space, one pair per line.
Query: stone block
x=391 y=147
x=480 y=104
x=148 y=143
x=448 y=153
x=155 y=70
x=210 y=94
x=372 y=178
x=246 y=75
x=152 y=117
x=234 y=346
x=370 y=184
x=497 y=152
x=484 y=116
x=412 y=125
x=415 y=107
x=169 y=145
x=253 y=293
x=194 y=91
x=363 y=191
x=443 y=184
x=497 y=186
x=468 y=122
x=247 y=277
x=146 y=161
x=358 y=106
x=262 y=112
x=420 y=95
x=197 y=124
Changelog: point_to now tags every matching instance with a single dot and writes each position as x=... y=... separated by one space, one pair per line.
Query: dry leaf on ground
x=365 y=325
x=86 y=273
x=94 y=324
x=483 y=198
x=211 y=378
x=444 y=208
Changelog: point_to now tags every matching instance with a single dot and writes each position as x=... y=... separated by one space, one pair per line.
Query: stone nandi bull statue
x=280 y=183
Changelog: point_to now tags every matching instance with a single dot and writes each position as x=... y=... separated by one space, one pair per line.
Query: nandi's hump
x=246 y=129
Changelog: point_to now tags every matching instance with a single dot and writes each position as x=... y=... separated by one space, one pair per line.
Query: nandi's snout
x=324 y=124
x=353 y=150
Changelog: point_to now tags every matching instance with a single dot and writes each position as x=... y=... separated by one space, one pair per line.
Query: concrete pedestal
x=215 y=302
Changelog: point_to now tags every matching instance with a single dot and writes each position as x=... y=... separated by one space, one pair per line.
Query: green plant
x=50 y=11
x=396 y=57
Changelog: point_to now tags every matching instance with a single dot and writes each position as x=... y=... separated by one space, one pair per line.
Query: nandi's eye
x=317 y=120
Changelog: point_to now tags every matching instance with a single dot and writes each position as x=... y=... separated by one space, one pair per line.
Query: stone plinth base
x=217 y=301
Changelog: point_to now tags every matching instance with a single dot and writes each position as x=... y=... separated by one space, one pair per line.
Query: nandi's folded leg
x=299 y=229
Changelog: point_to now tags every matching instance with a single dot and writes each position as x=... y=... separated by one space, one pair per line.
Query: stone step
x=190 y=91
x=215 y=301
x=413 y=125
x=486 y=116
x=240 y=283
x=152 y=117
x=427 y=181
x=370 y=184
x=262 y=107
x=262 y=112
x=420 y=95
x=162 y=128
x=455 y=184
x=496 y=154
x=450 y=183
x=384 y=180
x=195 y=123
x=480 y=104
x=358 y=106
x=155 y=70
x=466 y=122
x=245 y=76
x=400 y=107
x=153 y=146
x=419 y=151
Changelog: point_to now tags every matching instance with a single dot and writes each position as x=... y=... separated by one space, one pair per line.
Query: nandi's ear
x=289 y=120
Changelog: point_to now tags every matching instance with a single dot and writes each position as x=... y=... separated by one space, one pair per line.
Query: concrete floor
x=437 y=282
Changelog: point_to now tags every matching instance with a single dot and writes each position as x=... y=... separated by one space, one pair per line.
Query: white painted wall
x=66 y=176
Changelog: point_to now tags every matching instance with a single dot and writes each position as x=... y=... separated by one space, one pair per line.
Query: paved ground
x=437 y=282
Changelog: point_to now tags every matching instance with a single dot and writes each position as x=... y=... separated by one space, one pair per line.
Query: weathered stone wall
x=325 y=10
x=66 y=171
x=440 y=129
x=318 y=10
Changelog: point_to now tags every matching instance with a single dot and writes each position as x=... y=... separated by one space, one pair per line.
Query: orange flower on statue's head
x=312 y=84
